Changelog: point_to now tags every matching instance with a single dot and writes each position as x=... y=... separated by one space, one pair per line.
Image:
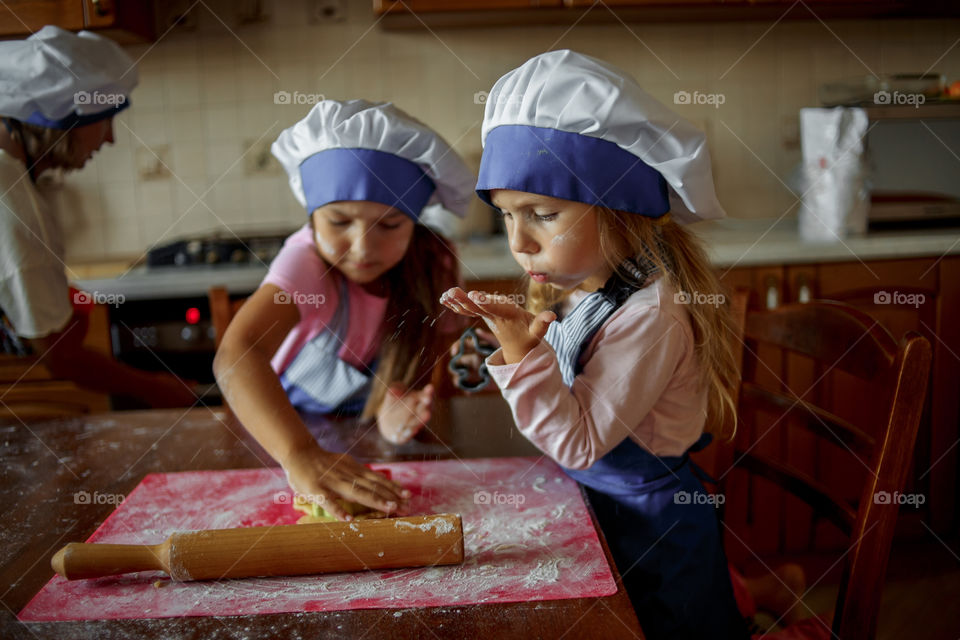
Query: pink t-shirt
x=314 y=286
x=639 y=379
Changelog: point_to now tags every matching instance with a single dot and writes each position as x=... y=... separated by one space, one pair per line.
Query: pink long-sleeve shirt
x=640 y=379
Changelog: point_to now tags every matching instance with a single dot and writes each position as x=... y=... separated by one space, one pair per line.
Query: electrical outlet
x=321 y=11
x=178 y=14
x=152 y=162
x=258 y=161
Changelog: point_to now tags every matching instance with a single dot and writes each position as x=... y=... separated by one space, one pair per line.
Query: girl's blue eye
x=546 y=217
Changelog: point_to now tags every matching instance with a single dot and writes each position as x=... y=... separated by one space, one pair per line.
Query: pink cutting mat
x=527 y=536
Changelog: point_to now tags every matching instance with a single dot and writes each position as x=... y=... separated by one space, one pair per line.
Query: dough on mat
x=316 y=513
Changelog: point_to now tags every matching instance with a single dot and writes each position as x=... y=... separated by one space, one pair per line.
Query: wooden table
x=43 y=465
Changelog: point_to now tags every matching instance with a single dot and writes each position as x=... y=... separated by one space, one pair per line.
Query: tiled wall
x=205 y=104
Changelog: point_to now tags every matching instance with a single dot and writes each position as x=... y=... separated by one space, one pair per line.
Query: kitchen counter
x=48 y=465
x=730 y=242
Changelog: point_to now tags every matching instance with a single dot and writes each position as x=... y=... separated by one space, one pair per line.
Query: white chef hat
x=60 y=79
x=573 y=127
x=358 y=150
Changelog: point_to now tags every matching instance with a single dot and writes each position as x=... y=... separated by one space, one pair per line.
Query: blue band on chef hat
x=365 y=174
x=570 y=166
x=76 y=120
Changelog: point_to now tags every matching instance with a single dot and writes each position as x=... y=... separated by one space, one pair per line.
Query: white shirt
x=34 y=294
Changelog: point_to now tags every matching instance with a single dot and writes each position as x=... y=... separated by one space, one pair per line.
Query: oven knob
x=189 y=333
x=213 y=257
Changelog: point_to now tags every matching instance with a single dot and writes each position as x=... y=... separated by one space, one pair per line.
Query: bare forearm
x=98 y=372
x=255 y=395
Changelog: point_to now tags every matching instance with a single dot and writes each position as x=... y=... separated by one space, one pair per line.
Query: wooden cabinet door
x=23 y=17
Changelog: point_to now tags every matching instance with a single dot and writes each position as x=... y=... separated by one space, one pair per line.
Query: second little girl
x=346 y=319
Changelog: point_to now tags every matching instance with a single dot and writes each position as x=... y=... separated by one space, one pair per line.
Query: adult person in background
x=59 y=92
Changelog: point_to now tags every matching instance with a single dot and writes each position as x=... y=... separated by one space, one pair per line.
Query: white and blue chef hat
x=60 y=79
x=570 y=126
x=358 y=150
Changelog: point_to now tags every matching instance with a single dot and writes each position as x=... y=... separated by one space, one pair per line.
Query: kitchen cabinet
x=917 y=294
x=417 y=14
x=126 y=21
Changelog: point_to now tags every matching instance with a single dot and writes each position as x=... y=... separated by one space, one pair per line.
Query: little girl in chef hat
x=616 y=363
x=346 y=319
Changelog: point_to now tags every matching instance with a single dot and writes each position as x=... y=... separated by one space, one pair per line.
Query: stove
x=161 y=321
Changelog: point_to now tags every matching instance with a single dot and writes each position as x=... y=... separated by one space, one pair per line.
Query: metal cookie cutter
x=462 y=371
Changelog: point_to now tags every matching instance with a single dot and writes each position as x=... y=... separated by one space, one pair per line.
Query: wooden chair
x=222 y=310
x=843 y=338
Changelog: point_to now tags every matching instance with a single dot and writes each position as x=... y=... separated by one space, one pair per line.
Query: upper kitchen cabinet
x=412 y=14
x=126 y=21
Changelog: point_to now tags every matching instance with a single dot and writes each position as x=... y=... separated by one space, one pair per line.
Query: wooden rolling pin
x=285 y=550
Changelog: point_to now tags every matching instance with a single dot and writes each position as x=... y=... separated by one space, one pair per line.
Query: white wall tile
x=206 y=93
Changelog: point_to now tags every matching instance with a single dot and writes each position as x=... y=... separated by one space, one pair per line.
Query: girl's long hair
x=56 y=146
x=685 y=265
x=412 y=341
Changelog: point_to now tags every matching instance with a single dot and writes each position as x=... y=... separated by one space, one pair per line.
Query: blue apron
x=318 y=381
x=668 y=550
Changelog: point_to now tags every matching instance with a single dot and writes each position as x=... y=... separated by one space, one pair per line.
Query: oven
x=161 y=317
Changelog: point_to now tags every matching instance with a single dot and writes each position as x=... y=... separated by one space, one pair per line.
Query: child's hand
x=403 y=413
x=517 y=330
x=323 y=476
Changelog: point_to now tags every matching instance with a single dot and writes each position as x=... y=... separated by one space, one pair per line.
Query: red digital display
x=193 y=315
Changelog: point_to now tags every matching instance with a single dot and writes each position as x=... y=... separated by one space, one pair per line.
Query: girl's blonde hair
x=54 y=145
x=412 y=343
x=683 y=262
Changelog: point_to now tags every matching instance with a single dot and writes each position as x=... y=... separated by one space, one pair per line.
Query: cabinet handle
x=100 y=9
x=773 y=293
x=803 y=291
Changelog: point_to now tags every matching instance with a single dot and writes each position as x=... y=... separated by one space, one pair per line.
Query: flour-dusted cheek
x=325 y=246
